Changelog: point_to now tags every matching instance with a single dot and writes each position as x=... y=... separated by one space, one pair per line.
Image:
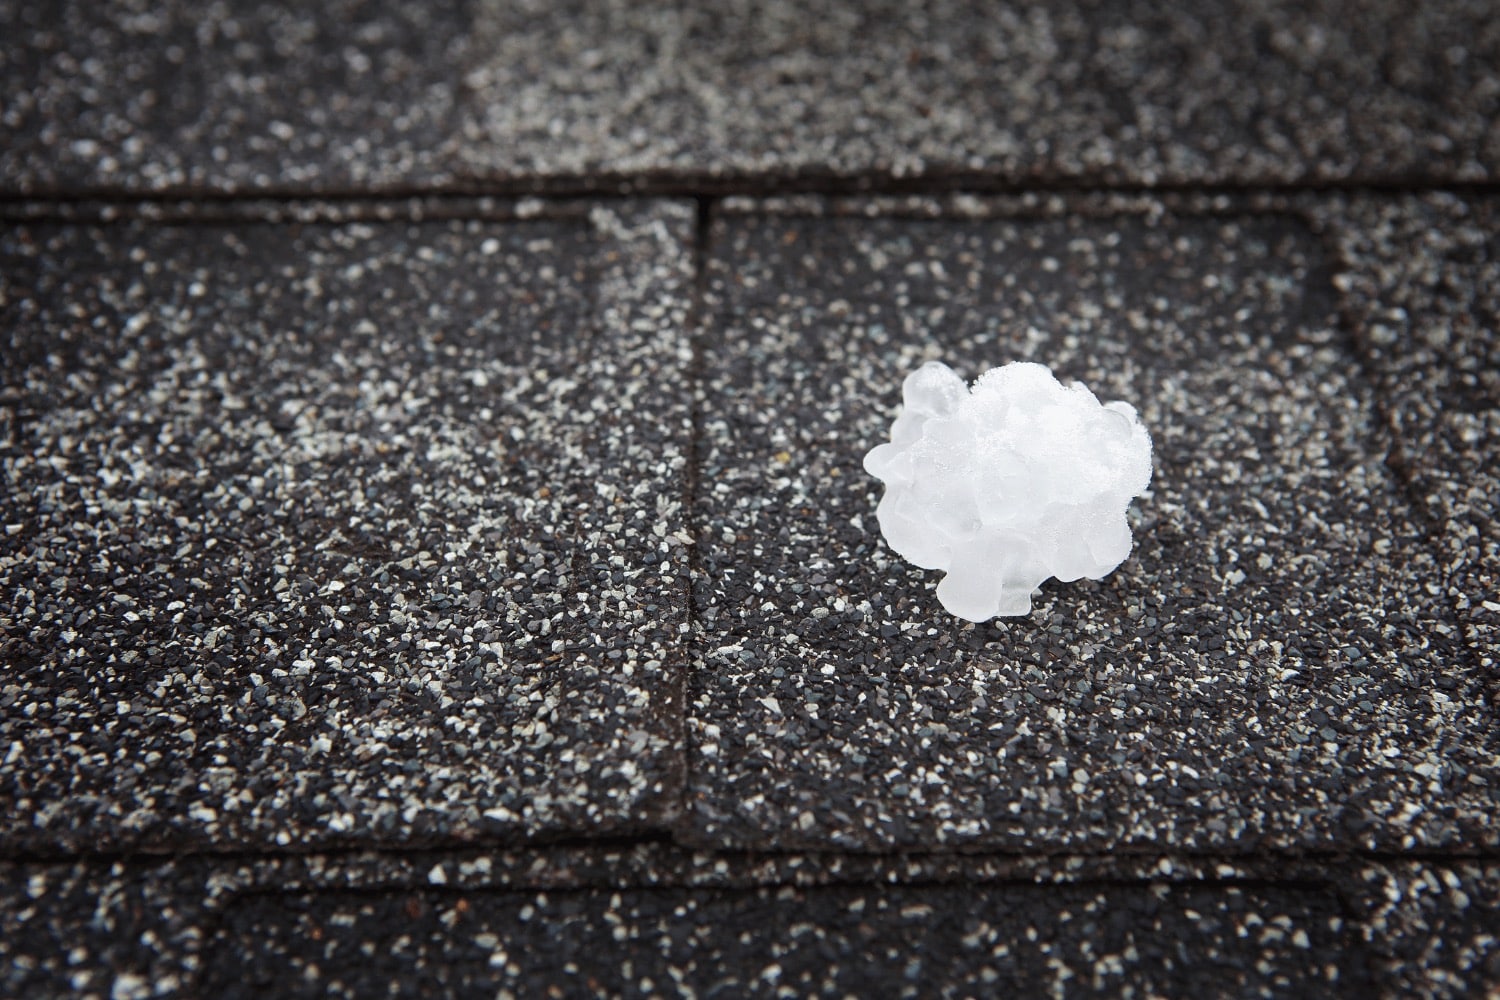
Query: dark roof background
x=435 y=554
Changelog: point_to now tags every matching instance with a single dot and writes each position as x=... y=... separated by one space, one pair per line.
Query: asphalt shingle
x=343 y=532
x=372 y=95
x=1268 y=669
x=904 y=941
x=568 y=916
x=410 y=586
x=1433 y=927
x=1230 y=91
x=235 y=95
x=1421 y=279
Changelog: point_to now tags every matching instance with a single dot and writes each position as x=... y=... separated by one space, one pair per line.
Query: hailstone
x=1007 y=483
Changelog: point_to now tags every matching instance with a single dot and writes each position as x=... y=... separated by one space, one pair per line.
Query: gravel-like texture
x=341 y=533
x=496 y=542
x=232 y=95
x=1434 y=928
x=1421 y=279
x=204 y=926
x=1230 y=90
x=906 y=941
x=1269 y=669
x=370 y=95
x=121 y=930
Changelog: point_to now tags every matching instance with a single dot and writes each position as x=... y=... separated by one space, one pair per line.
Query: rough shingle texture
x=1228 y=91
x=333 y=532
x=374 y=95
x=1421 y=278
x=227 y=96
x=1249 y=941
x=1268 y=667
x=601 y=919
x=405 y=586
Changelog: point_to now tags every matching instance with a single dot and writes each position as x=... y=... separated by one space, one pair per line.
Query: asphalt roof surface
x=436 y=556
x=372 y=95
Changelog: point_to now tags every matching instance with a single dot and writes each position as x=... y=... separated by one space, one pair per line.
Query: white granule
x=1010 y=482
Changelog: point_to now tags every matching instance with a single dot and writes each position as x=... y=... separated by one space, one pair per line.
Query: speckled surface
x=1229 y=91
x=1435 y=929
x=610 y=917
x=860 y=941
x=121 y=930
x=373 y=95
x=341 y=533
x=394 y=575
x=1268 y=669
x=235 y=95
x=1421 y=278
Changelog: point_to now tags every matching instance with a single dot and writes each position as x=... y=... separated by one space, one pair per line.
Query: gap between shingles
x=705 y=185
x=702 y=189
x=695 y=325
x=1386 y=430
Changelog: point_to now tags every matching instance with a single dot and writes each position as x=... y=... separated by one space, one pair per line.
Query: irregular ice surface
x=1010 y=482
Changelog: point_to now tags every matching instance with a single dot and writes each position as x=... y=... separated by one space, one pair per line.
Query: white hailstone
x=1010 y=482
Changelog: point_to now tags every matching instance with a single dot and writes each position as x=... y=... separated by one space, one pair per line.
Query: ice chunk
x=1007 y=483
